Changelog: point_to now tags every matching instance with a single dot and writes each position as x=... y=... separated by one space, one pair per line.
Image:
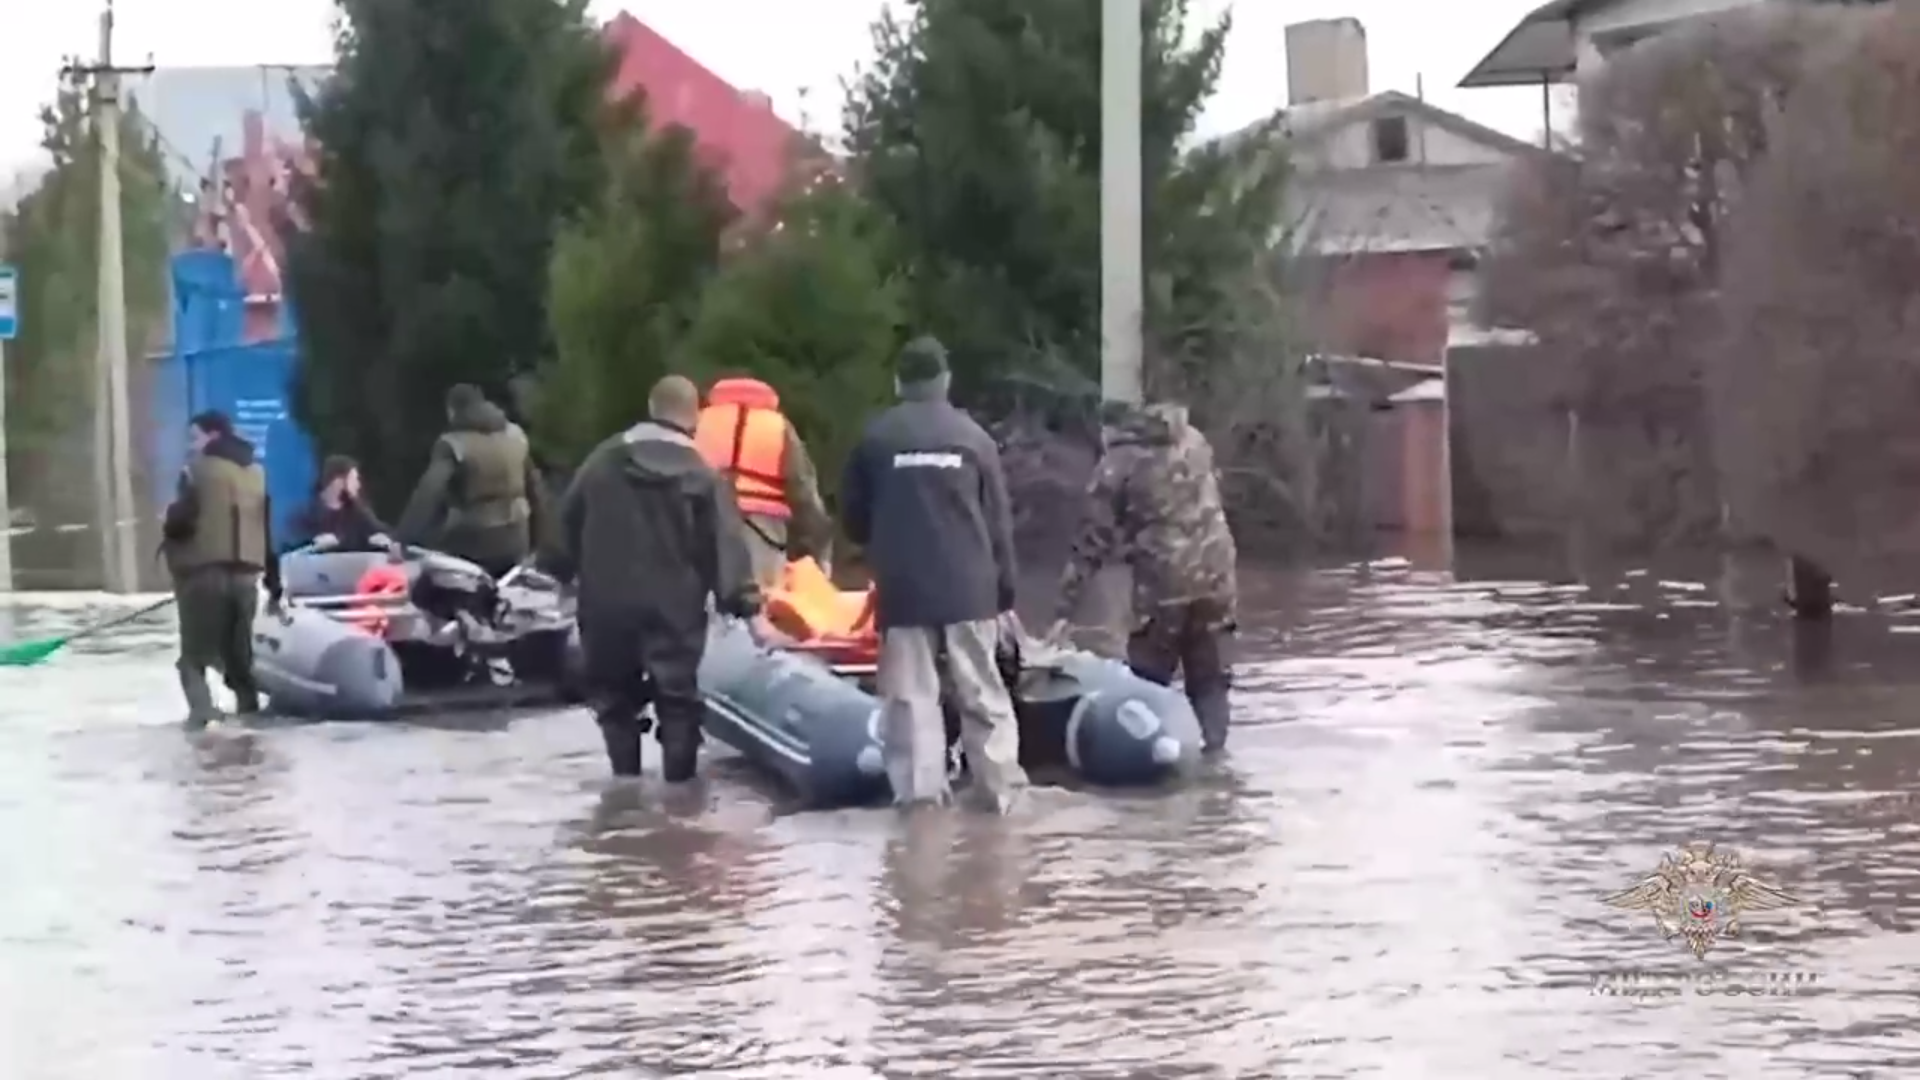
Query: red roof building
x=244 y=206
x=738 y=131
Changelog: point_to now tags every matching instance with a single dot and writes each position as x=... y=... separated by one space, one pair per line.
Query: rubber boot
x=679 y=754
x=623 y=735
x=246 y=701
x=200 y=708
x=1215 y=713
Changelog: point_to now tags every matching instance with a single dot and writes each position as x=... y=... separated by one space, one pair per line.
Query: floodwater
x=1398 y=874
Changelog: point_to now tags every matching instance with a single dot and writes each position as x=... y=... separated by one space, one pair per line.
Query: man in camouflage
x=1154 y=503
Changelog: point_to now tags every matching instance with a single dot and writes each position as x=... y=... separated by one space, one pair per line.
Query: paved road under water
x=1398 y=875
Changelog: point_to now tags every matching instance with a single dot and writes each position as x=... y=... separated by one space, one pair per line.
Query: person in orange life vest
x=743 y=434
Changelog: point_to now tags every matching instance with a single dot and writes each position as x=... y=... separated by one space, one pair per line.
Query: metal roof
x=1544 y=47
x=1539 y=49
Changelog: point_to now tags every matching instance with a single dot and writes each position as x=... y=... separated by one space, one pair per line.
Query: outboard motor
x=449 y=588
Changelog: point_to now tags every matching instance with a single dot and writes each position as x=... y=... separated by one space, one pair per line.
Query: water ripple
x=1398 y=874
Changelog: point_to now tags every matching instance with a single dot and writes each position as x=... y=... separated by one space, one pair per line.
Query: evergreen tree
x=52 y=236
x=809 y=307
x=453 y=139
x=626 y=284
x=977 y=129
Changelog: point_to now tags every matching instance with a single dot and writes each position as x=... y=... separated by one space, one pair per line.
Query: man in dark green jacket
x=218 y=543
x=652 y=535
x=481 y=498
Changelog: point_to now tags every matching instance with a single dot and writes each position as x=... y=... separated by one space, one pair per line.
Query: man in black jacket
x=925 y=496
x=338 y=518
x=651 y=531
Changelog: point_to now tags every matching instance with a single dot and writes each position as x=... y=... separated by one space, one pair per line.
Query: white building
x=1399 y=196
x=1564 y=40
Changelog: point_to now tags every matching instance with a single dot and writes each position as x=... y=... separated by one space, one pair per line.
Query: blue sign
x=9 y=303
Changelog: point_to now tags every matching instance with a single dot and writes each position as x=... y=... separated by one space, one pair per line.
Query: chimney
x=1326 y=61
x=757 y=99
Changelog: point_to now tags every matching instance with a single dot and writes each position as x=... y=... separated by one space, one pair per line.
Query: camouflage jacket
x=1154 y=503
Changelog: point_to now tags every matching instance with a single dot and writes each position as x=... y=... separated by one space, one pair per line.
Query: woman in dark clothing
x=337 y=519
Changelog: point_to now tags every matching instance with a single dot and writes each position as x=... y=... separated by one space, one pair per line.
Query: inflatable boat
x=801 y=706
x=366 y=636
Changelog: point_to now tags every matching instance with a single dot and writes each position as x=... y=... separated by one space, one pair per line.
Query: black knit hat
x=923 y=360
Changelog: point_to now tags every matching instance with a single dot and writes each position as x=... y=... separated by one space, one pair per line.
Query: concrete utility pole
x=1121 y=272
x=114 y=514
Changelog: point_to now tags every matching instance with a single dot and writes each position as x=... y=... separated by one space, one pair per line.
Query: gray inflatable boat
x=366 y=637
x=819 y=729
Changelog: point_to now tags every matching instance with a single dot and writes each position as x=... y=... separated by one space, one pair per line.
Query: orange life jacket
x=742 y=433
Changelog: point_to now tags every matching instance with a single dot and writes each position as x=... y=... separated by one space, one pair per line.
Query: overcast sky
x=795 y=51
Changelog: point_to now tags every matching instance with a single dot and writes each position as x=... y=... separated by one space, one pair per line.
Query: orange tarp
x=808 y=608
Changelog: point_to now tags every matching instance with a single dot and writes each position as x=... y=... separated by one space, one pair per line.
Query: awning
x=1540 y=49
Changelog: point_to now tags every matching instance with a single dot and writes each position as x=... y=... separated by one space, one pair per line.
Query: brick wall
x=1390 y=306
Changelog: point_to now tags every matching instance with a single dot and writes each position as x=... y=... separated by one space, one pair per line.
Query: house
x=1565 y=40
x=738 y=131
x=1391 y=201
x=232 y=141
x=233 y=137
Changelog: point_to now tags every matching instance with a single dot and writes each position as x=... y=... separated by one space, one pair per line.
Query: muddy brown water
x=1397 y=875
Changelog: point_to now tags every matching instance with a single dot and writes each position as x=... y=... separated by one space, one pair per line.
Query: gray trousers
x=915 y=662
x=767 y=548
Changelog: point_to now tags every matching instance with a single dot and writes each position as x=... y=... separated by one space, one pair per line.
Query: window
x=1390 y=140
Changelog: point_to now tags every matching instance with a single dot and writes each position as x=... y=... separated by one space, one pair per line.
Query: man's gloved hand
x=325 y=542
x=386 y=543
x=1060 y=634
x=276 y=604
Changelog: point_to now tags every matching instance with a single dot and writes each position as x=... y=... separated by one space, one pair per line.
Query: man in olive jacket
x=481 y=498
x=218 y=536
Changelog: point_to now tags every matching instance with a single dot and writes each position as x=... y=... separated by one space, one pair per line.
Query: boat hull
x=820 y=732
x=316 y=660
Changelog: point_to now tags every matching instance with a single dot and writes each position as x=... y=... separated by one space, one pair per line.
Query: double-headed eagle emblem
x=1698 y=894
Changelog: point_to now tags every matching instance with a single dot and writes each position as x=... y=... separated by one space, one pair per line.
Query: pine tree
x=977 y=130
x=453 y=139
x=626 y=285
x=52 y=236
